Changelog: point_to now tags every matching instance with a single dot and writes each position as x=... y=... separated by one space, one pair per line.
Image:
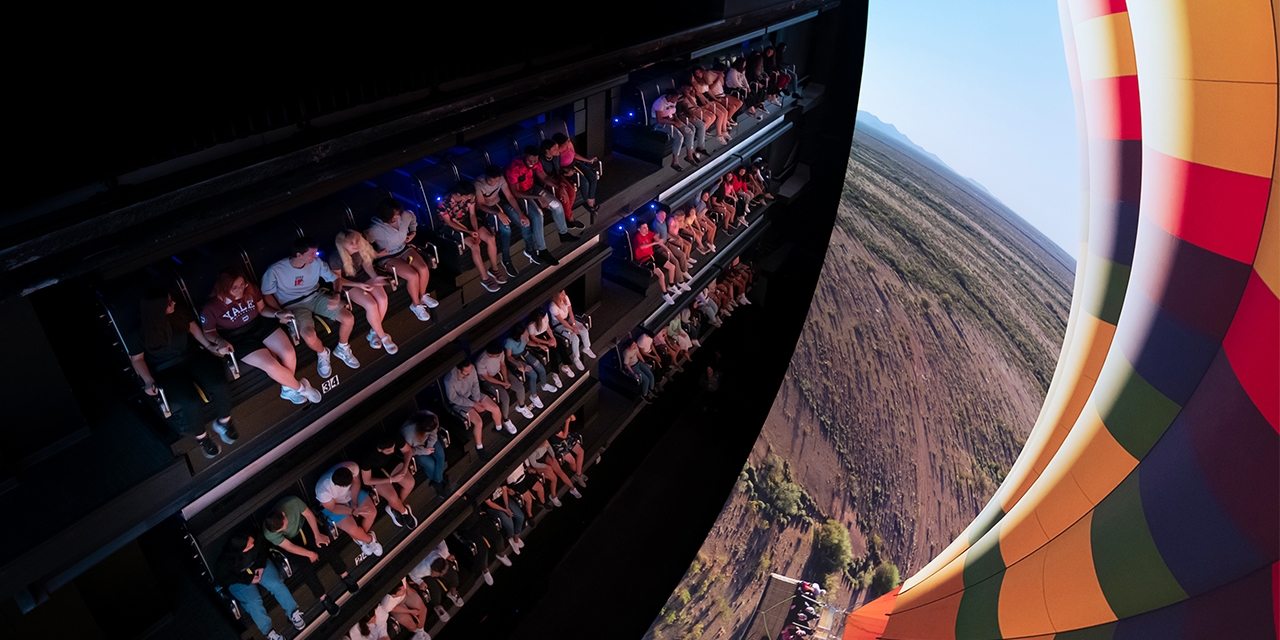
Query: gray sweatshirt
x=385 y=237
x=462 y=392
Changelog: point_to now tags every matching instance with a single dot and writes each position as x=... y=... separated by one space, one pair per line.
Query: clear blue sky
x=983 y=84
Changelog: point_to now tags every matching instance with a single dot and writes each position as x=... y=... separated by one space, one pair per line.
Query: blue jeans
x=538 y=376
x=646 y=377
x=251 y=598
x=589 y=179
x=557 y=211
x=433 y=464
x=512 y=524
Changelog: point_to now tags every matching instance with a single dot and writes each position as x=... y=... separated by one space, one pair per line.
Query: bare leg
x=263 y=359
x=353 y=529
x=372 y=313
x=404 y=271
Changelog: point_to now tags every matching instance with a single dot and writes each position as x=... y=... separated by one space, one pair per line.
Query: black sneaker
x=209 y=447
x=574 y=224
x=703 y=151
x=534 y=259
x=410 y=520
x=226 y=431
x=511 y=270
x=548 y=257
x=351 y=584
x=566 y=238
x=330 y=607
x=484 y=455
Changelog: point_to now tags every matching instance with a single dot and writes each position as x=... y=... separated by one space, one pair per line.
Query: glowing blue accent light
x=633 y=218
x=617 y=120
x=653 y=205
x=175 y=259
x=620 y=228
x=439 y=198
x=631 y=114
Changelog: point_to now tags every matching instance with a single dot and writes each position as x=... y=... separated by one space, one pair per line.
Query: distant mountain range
x=870 y=121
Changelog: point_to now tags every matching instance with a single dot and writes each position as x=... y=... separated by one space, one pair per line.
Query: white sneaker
x=457 y=599
x=272 y=635
x=372 y=337
x=296 y=619
x=375 y=546
x=430 y=302
x=343 y=352
x=421 y=634
x=322 y=364
x=537 y=402
x=696 y=343
x=712 y=247
x=511 y=427
x=691 y=261
x=504 y=560
x=488 y=577
x=309 y=392
x=564 y=368
x=519 y=544
x=573 y=491
x=420 y=311
x=549 y=388
x=555 y=379
x=556 y=501
x=444 y=615
x=671 y=301
x=524 y=411
x=577 y=362
x=684 y=286
x=515 y=548
x=392 y=349
x=589 y=353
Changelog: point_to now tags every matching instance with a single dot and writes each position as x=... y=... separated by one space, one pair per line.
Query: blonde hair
x=366 y=251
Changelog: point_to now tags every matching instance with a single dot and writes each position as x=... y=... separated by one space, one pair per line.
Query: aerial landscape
x=929 y=346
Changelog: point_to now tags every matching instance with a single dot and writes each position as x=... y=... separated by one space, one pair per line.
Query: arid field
x=929 y=346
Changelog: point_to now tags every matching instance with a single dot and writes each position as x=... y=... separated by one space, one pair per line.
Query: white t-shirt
x=377 y=630
x=288 y=283
x=663 y=107
x=540 y=328
x=390 y=602
x=327 y=491
x=424 y=568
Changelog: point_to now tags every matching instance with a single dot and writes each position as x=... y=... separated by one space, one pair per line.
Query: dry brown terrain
x=929 y=345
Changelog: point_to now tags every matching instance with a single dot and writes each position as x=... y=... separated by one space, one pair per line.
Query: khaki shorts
x=317 y=304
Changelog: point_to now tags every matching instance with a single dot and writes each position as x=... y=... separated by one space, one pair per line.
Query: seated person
x=706 y=304
x=634 y=366
x=435 y=579
x=392 y=230
x=567 y=326
x=458 y=211
x=669 y=353
x=244 y=566
x=686 y=135
x=346 y=504
x=284 y=528
x=162 y=354
x=738 y=278
x=676 y=333
x=690 y=110
x=406 y=607
x=739 y=86
x=744 y=191
x=532 y=199
x=495 y=380
x=662 y=268
x=551 y=176
x=293 y=285
x=522 y=360
x=387 y=470
x=353 y=257
x=462 y=389
x=692 y=324
x=505 y=506
x=542 y=338
x=696 y=219
x=567 y=445
x=496 y=201
x=700 y=90
x=372 y=626
x=237 y=313
x=712 y=84
x=421 y=431
x=676 y=248
x=760 y=175
x=543 y=462
x=724 y=201
x=570 y=159
x=649 y=353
